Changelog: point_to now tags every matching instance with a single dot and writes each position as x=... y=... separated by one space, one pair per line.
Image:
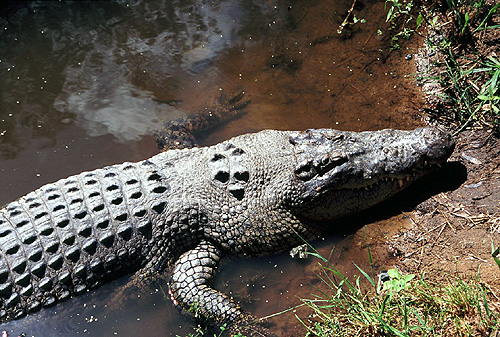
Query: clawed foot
x=180 y=133
x=233 y=101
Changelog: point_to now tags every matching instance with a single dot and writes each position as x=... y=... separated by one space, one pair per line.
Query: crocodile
x=181 y=211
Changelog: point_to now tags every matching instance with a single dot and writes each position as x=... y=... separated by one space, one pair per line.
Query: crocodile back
x=72 y=235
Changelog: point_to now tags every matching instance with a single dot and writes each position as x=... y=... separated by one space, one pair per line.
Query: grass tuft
x=402 y=305
x=470 y=95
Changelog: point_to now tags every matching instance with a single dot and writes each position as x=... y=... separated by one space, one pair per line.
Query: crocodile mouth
x=326 y=203
x=389 y=181
x=396 y=181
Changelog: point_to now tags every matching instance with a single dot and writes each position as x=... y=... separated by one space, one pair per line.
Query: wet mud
x=84 y=85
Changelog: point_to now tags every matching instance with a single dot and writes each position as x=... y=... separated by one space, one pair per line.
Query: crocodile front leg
x=190 y=289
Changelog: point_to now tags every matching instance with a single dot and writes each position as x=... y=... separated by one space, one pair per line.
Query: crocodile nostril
x=328 y=161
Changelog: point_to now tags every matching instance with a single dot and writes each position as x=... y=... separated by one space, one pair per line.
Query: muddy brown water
x=84 y=85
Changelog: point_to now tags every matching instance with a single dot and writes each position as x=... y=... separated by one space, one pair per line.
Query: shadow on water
x=84 y=84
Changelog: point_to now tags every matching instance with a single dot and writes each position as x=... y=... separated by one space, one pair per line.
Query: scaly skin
x=183 y=210
x=181 y=133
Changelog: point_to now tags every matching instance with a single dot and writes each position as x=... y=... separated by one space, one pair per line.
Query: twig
x=343 y=24
x=281 y=312
x=445 y=216
x=437 y=237
x=477 y=258
x=360 y=92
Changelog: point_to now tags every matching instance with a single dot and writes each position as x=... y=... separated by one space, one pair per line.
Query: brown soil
x=467 y=46
x=453 y=232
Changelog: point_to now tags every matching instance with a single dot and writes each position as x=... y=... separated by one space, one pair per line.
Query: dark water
x=84 y=84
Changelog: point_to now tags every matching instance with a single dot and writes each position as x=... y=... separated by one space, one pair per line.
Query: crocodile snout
x=439 y=145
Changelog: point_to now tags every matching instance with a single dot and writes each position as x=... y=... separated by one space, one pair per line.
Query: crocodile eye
x=328 y=161
x=305 y=170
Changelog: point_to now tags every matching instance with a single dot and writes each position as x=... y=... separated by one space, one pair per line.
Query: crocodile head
x=338 y=173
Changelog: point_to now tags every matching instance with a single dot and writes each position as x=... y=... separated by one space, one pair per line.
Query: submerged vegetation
x=394 y=304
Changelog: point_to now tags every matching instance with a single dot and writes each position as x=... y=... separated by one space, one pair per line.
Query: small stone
x=384 y=276
x=471 y=159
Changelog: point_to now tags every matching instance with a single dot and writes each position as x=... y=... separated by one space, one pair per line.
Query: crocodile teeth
x=400 y=182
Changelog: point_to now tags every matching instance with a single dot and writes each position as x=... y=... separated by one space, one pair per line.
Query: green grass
x=404 y=305
x=405 y=19
x=470 y=16
x=470 y=81
x=401 y=305
x=494 y=253
x=471 y=89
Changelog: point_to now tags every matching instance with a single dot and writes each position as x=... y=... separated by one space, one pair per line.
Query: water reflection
x=107 y=103
x=109 y=67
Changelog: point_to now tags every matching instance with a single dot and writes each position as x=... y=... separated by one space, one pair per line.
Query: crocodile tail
x=72 y=235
